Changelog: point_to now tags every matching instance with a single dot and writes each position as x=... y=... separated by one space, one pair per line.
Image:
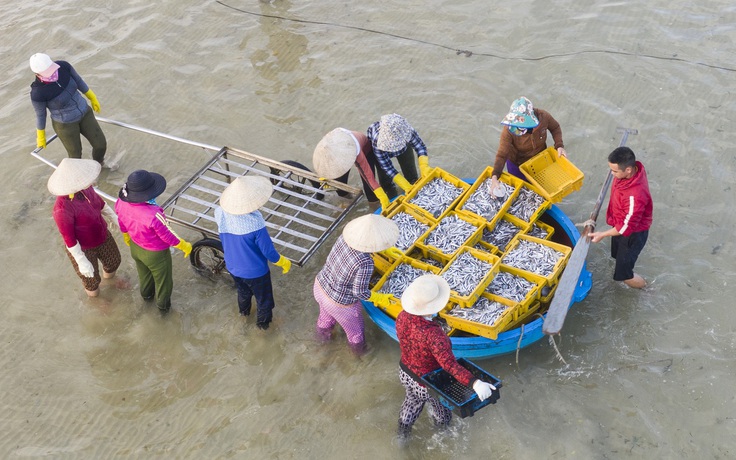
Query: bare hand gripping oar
x=569 y=279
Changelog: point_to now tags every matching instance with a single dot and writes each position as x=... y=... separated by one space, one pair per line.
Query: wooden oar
x=568 y=281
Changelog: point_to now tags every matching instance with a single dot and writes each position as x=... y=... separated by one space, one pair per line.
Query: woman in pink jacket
x=147 y=232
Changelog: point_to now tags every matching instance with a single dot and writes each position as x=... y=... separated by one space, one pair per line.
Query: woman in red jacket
x=78 y=215
x=629 y=214
x=424 y=348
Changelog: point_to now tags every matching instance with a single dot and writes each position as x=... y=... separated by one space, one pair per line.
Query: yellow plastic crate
x=481 y=245
x=392 y=205
x=546 y=299
x=547 y=228
x=520 y=224
x=559 y=265
x=438 y=173
x=555 y=176
x=417 y=213
x=523 y=317
x=485 y=175
x=490 y=331
x=394 y=307
x=540 y=210
x=469 y=299
x=423 y=254
x=381 y=263
x=533 y=294
x=474 y=221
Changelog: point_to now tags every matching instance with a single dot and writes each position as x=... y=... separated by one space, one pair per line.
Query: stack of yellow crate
x=431 y=259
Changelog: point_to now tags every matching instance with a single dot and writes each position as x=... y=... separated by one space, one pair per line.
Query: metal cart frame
x=298 y=217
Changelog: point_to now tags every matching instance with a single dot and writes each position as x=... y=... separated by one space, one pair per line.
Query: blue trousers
x=260 y=288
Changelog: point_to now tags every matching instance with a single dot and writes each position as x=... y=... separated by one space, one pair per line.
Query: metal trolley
x=297 y=215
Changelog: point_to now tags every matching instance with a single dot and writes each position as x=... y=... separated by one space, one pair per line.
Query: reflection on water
x=648 y=373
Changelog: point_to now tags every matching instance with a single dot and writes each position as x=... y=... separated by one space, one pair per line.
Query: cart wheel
x=208 y=259
x=301 y=180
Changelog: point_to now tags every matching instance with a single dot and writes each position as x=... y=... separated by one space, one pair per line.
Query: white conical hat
x=73 y=175
x=371 y=233
x=426 y=295
x=335 y=153
x=246 y=194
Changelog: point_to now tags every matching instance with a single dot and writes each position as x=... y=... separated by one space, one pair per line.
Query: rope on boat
x=518 y=344
x=559 y=355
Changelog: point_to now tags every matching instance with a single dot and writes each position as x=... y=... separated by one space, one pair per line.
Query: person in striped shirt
x=343 y=281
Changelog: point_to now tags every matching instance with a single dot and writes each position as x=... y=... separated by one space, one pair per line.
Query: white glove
x=483 y=389
x=85 y=266
x=109 y=215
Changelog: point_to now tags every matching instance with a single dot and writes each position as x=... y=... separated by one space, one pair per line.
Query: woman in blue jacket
x=57 y=88
x=248 y=247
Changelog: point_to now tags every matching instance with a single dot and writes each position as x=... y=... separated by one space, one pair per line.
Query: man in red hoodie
x=629 y=213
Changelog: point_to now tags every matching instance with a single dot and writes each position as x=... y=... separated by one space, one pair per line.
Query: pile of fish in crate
x=493 y=251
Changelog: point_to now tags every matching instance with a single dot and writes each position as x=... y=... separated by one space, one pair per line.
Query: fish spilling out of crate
x=465 y=273
x=533 y=257
x=450 y=233
x=502 y=233
x=400 y=278
x=527 y=202
x=484 y=311
x=410 y=229
x=436 y=196
x=483 y=203
x=510 y=286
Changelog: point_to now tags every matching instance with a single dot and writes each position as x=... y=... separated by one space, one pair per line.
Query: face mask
x=430 y=317
x=152 y=201
x=516 y=131
x=50 y=79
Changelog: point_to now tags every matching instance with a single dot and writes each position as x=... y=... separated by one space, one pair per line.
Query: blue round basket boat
x=507 y=342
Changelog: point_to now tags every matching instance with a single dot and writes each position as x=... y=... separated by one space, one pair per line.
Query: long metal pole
x=568 y=281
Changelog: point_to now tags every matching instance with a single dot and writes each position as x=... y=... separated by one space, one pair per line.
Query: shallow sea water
x=648 y=375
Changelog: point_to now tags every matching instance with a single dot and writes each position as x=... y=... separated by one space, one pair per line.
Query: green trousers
x=155 y=274
x=408 y=166
x=70 y=135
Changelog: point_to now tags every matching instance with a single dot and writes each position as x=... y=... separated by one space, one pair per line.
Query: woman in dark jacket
x=57 y=88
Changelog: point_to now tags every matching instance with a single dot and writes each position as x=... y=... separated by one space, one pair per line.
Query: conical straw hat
x=335 y=153
x=246 y=194
x=426 y=295
x=371 y=233
x=73 y=175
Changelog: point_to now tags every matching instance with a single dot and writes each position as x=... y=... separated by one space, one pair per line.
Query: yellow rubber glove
x=379 y=299
x=126 y=238
x=284 y=263
x=41 y=138
x=184 y=247
x=402 y=182
x=393 y=252
x=424 y=168
x=382 y=198
x=93 y=99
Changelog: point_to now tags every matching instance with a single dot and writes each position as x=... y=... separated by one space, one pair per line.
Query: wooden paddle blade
x=565 y=289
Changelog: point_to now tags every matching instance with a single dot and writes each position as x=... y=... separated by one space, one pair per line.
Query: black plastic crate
x=457 y=397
